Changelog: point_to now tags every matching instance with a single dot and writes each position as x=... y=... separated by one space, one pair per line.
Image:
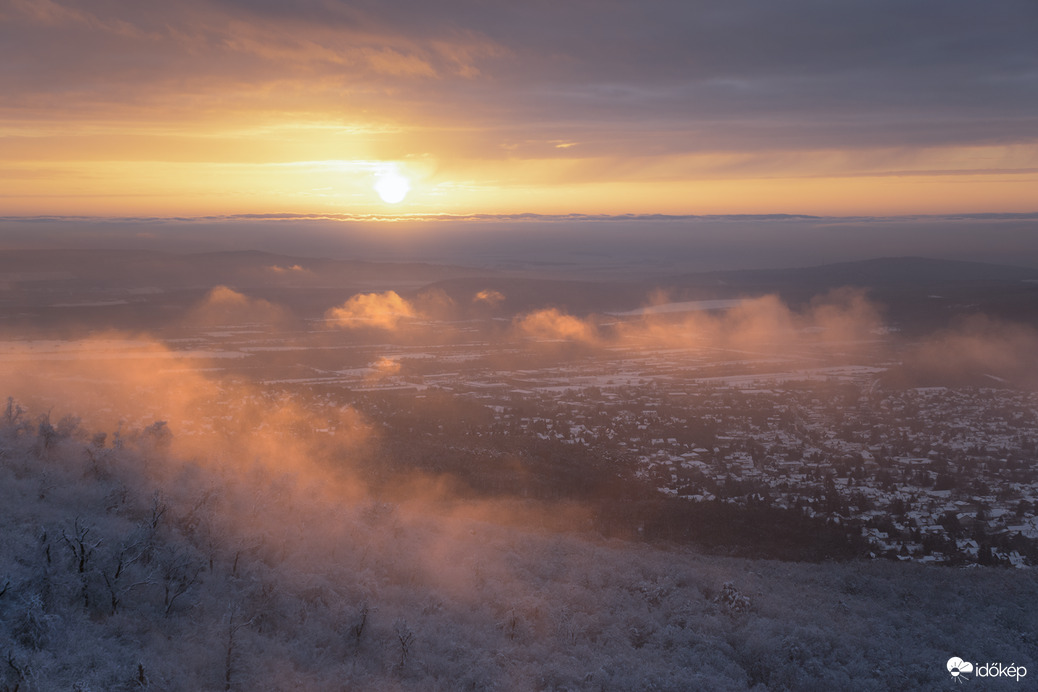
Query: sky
x=877 y=107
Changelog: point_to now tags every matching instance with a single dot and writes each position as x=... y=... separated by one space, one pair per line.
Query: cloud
x=233 y=106
x=119 y=382
x=658 y=78
x=294 y=269
x=551 y=324
x=384 y=367
x=372 y=310
x=434 y=304
x=390 y=311
x=844 y=319
x=979 y=351
x=223 y=305
x=489 y=297
x=205 y=52
x=845 y=315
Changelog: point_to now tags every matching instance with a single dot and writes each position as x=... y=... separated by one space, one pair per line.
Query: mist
x=285 y=481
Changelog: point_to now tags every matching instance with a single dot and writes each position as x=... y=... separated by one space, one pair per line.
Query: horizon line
x=523 y=216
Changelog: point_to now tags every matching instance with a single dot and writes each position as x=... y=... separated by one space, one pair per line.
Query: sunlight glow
x=391 y=186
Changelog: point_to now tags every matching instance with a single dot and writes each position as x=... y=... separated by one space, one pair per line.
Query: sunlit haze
x=201 y=108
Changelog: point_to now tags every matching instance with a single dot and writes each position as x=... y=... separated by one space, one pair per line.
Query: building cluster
x=931 y=474
x=928 y=474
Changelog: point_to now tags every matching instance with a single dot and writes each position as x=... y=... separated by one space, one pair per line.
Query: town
x=935 y=474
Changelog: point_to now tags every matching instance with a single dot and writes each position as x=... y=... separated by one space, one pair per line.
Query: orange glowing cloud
x=551 y=324
x=489 y=297
x=122 y=383
x=845 y=315
x=294 y=269
x=382 y=368
x=434 y=304
x=763 y=324
x=223 y=305
x=378 y=310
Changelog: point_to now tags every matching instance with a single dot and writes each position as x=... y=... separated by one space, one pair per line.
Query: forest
x=127 y=565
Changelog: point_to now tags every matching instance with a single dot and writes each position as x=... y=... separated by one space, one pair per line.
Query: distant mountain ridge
x=167 y=265
x=893 y=278
x=912 y=290
x=118 y=268
x=872 y=272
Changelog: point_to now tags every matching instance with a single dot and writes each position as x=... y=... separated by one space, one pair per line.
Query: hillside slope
x=123 y=567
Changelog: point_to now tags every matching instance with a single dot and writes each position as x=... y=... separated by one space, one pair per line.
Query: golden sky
x=744 y=107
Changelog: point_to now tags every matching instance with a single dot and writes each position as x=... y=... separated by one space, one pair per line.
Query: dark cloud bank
x=574 y=243
x=697 y=76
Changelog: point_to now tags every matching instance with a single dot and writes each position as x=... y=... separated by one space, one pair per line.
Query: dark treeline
x=620 y=503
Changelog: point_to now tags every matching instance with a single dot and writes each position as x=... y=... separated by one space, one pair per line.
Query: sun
x=392 y=187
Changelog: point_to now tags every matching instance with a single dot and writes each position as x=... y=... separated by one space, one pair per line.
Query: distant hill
x=916 y=294
x=142 y=288
x=874 y=273
x=914 y=291
x=522 y=294
x=122 y=269
x=136 y=289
